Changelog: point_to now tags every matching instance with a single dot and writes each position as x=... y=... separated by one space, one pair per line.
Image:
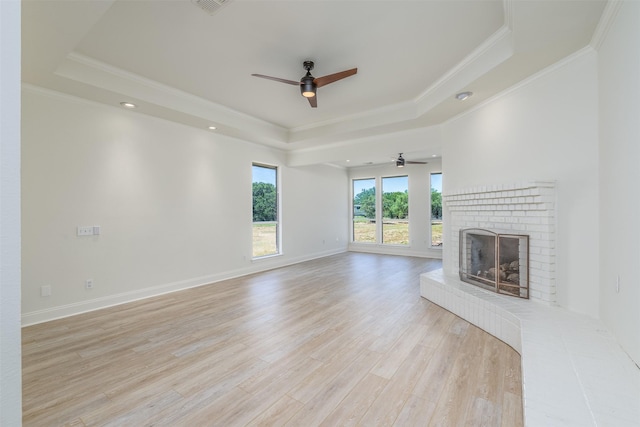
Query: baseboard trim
x=395 y=250
x=67 y=310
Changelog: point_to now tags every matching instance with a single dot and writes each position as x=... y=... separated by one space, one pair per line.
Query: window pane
x=265 y=211
x=395 y=210
x=436 y=209
x=364 y=210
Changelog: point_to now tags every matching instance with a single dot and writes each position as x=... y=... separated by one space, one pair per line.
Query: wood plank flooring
x=344 y=340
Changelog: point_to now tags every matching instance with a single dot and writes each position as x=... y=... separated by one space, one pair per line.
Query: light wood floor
x=343 y=340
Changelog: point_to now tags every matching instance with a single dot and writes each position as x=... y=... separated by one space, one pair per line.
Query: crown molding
x=587 y=50
x=86 y=70
x=604 y=25
x=365 y=122
x=507 y=6
x=492 y=52
x=51 y=93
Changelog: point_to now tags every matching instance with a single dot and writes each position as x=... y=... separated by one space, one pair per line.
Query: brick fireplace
x=573 y=370
x=520 y=209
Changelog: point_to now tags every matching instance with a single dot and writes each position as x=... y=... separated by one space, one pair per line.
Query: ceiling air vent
x=210 y=6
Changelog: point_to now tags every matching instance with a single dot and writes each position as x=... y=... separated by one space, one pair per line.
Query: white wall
x=619 y=84
x=173 y=203
x=314 y=209
x=544 y=129
x=10 y=343
x=419 y=207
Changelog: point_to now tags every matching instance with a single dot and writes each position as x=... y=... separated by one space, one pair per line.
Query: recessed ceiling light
x=128 y=105
x=212 y=128
x=463 y=95
x=348 y=160
x=434 y=155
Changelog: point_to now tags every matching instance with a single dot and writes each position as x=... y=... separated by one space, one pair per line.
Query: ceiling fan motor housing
x=307 y=86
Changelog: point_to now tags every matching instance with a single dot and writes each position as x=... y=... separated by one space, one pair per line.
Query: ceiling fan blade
x=313 y=101
x=325 y=80
x=277 y=79
x=415 y=163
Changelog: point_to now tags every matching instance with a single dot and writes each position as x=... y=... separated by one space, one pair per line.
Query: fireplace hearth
x=495 y=261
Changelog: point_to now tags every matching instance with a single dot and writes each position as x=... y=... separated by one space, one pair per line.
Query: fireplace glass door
x=494 y=261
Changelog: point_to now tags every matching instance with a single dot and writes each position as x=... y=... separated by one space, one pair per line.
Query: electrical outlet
x=45 y=291
x=88 y=284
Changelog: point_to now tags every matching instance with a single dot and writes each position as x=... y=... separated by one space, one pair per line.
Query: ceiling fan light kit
x=309 y=84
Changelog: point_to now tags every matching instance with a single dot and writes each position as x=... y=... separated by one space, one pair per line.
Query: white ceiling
x=180 y=63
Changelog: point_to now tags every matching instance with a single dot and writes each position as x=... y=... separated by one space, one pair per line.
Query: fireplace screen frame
x=498 y=283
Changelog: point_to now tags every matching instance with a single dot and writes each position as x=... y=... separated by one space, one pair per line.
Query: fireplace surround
x=520 y=209
x=498 y=262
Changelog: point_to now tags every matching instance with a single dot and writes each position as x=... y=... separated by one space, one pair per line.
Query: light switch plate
x=85 y=231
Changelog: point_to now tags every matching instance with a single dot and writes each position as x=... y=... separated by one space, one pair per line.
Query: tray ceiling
x=180 y=63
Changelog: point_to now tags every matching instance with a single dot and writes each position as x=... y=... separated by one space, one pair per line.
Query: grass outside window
x=396 y=232
x=265 y=239
x=436 y=233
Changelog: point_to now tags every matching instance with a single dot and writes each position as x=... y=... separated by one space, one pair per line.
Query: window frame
x=353 y=216
x=278 y=220
x=381 y=212
x=431 y=219
x=378 y=219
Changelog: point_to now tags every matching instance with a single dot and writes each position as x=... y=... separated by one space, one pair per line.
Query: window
x=436 y=209
x=364 y=210
x=395 y=210
x=265 y=211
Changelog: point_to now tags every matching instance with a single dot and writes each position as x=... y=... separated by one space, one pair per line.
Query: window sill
x=265 y=257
